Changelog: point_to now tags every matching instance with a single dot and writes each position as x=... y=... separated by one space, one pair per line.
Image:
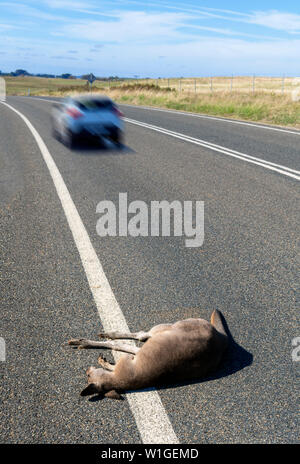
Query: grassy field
x=240 y=84
x=266 y=100
x=42 y=86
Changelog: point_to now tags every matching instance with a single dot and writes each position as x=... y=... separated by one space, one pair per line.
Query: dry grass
x=261 y=107
x=241 y=84
x=41 y=85
x=267 y=106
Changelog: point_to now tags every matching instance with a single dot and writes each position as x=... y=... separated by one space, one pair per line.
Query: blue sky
x=151 y=39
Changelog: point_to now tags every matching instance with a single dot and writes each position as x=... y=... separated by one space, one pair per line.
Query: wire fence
x=248 y=84
x=235 y=85
x=243 y=84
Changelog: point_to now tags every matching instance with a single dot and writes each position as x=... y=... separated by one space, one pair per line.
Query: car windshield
x=94 y=104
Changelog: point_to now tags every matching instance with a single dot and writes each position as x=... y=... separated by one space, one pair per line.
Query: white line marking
x=226 y=151
x=150 y=416
x=195 y=115
x=42 y=99
x=203 y=116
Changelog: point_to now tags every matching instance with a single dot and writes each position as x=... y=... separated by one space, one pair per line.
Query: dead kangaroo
x=188 y=349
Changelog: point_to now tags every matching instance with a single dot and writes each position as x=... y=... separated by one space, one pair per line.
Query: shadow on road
x=100 y=147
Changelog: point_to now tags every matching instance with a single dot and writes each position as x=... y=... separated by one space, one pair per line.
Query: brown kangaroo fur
x=188 y=349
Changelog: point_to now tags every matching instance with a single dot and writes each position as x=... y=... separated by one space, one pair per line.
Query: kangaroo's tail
x=216 y=319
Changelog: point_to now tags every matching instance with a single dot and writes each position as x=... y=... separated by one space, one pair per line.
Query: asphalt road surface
x=246 y=267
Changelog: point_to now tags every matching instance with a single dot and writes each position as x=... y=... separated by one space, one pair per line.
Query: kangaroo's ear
x=91 y=389
x=113 y=394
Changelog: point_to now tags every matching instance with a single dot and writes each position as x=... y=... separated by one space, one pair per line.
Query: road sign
x=91 y=78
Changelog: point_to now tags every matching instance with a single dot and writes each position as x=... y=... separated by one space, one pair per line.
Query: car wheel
x=54 y=131
x=116 y=137
x=68 y=139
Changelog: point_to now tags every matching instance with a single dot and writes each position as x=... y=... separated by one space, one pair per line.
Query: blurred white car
x=87 y=116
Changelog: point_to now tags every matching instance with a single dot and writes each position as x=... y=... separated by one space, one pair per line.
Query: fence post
x=253 y=84
x=211 y=84
x=168 y=82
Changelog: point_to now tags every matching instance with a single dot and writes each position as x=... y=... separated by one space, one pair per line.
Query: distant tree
x=49 y=76
x=65 y=76
x=20 y=72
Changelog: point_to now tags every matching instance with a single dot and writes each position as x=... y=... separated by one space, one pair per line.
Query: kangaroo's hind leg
x=141 y=336
x=82 y=343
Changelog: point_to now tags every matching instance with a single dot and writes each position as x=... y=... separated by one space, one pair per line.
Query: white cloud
x=200 y=11
x=230 y=12
x=25 y=10
x=75 y=6
x=7 y=26
x=205 y=56
x=211 y=56
x=274 y=19
x=147 y=27
x=66 y=4
x=287 y=22
x=130 y=26
x=133 y=42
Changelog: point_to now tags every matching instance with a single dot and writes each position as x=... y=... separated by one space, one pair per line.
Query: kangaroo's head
x=99 y=382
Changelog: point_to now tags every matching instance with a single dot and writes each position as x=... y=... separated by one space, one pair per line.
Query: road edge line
x=151 y=418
